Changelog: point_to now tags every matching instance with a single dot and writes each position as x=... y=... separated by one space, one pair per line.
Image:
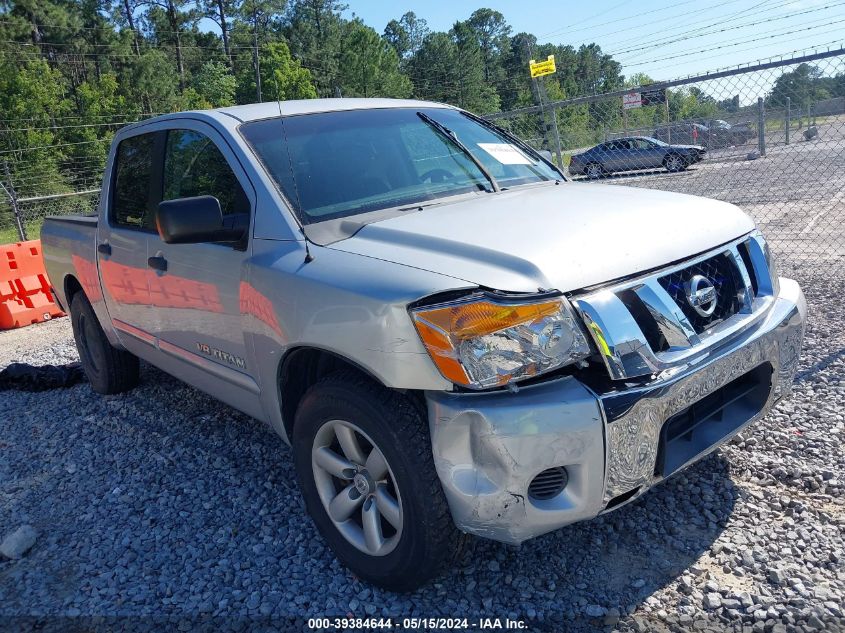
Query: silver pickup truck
x=452 y=337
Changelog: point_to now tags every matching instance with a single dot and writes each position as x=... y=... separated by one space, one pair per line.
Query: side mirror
x=546 y=154
x=196 y=220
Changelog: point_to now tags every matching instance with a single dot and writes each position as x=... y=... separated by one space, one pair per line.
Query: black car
x=685 y=133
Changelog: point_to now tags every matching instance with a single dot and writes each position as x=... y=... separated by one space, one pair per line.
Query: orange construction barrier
x=24 y=288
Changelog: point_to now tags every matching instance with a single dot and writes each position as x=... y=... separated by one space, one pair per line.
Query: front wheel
x=674 y=163
x=364 y=463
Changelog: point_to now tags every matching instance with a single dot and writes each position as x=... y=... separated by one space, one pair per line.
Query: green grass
x=777 y=125
x=9 y=234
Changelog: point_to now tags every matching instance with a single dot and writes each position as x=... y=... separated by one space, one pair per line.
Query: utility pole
x=544 y=98
x=255 y=52
x=9 y=190
x=787 y=122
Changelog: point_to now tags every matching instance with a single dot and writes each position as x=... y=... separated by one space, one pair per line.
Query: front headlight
x=484 y=341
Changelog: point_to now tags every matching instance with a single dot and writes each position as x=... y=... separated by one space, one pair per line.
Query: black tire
x=109 y=370
x=675 y=163
x=397 y=426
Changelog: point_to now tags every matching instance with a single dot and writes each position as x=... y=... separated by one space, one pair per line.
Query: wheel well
x=300 y=369
x=72 y=286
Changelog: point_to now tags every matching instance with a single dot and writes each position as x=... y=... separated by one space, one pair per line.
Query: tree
x=155 y=80
x=215 y=84
x=222 y=12
x=123 y=12
x=473 y=91
x=406 y=35
x=433 y=67
x=282 y=76
x=803 y=86
x=259 y=23
x=493 y=35
x=177 y=15
x=369 y=66
x=31 y=97
x=314 y=31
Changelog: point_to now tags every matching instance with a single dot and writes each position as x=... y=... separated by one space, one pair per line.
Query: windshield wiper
x=449 y=134
x=525 y=147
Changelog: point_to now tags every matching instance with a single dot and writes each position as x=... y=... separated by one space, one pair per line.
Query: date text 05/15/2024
x=414 y=624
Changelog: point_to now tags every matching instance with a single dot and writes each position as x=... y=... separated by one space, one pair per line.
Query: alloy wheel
x=357 y=487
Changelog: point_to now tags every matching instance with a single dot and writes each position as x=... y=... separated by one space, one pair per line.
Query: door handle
x=157 y=263
x=104 y=249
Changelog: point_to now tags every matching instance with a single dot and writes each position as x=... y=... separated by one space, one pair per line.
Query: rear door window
x=130 y=203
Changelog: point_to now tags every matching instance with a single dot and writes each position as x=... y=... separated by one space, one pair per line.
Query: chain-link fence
x=769 y=138
x=21 y=218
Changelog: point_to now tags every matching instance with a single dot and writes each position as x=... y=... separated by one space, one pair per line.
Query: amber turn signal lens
x=443 y=328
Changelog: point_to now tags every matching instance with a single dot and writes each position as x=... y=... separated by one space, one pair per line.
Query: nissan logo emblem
x=701 y=295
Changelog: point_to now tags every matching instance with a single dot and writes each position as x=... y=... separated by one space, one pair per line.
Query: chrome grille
x=646 y=325
x=722 y=272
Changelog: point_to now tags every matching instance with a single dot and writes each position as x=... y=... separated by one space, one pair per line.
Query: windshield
x=337 y=164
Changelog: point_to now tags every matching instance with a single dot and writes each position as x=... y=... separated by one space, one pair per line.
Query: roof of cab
x=270 y=109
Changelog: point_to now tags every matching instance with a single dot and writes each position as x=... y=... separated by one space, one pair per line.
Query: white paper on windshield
x=505 y=153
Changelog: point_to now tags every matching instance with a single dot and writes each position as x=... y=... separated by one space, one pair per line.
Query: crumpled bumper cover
x=489 y=446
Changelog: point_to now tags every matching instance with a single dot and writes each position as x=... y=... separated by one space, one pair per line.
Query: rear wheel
x=108 y=369
x=594 y=170
x=364 y=463
x=674 y=163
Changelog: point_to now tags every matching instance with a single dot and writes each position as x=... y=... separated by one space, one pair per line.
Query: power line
x=793 y=52
x=724 y=30
x=738 y=43
x=566 y=30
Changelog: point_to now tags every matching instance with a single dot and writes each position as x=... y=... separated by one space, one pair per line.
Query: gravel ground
x=165 y=503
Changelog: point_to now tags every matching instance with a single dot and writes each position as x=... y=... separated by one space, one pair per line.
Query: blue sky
x=642 y=33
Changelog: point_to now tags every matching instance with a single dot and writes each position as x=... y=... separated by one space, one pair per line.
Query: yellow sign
x=538 y=69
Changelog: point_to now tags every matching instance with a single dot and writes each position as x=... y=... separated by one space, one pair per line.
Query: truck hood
x=562 y=237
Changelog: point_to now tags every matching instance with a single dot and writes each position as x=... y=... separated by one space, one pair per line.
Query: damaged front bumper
x=488 y=447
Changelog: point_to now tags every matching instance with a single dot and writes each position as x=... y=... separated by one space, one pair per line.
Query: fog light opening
x=548 y=484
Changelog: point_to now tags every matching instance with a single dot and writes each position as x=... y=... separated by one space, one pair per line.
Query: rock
x=639 y=583
x=611 y=617
x=594 y=611
x=712 y=600
x=777 y=576
x=19 y=542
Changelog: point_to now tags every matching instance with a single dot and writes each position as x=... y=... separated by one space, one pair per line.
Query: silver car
x=632 y=154
x=453 y=339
